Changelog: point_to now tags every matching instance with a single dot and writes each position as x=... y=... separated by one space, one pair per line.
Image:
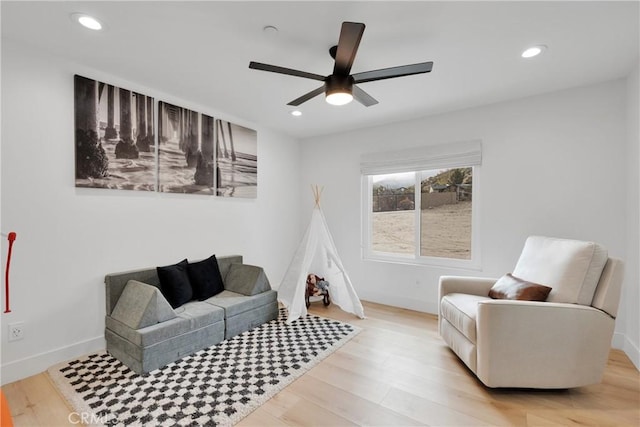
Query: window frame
x=368 y=254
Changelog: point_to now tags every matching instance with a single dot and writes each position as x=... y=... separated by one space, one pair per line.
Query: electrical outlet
x=16 y=331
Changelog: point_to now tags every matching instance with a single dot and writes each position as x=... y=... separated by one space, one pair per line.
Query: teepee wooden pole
x=317 y=193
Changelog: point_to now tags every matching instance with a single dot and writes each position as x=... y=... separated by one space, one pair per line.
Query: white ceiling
x=200 y=51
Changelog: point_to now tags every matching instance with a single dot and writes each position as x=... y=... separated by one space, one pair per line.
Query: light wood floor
x=396 y=372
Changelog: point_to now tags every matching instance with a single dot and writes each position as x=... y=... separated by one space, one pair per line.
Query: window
x=426 y=215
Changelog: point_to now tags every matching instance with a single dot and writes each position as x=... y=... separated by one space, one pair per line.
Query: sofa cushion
x=175 y=284
x=460 y=344
x=246 y=280
x=141 y=305
x=572 y=268
x=510 y=287
x=461 y=311
x=235 y=303
x=205 y=278
x=200 y=314
x=150 y=335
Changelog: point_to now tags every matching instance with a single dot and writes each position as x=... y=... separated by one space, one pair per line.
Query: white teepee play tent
x=317 y=254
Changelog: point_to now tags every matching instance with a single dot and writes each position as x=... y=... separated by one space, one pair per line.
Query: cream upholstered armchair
x=559 y=341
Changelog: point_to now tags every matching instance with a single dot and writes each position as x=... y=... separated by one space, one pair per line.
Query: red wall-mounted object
x=11 y=237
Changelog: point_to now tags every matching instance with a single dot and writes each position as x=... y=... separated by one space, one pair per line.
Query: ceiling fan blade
x=282 y=70
x=307 y=96
x=390 y=73
x=363 y=97
x=350 y=36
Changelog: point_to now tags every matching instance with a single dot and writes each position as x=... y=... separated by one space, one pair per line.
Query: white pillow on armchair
x=571 y=268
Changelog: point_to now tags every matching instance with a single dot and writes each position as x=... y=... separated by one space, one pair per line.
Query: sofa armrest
x=246 y=279
x=541 y=344
x=465 y=285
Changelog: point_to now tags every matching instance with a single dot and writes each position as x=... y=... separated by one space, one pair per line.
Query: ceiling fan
x=340 y=86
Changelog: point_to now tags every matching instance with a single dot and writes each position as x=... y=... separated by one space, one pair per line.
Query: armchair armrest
x=465 y=285
x=541 y=344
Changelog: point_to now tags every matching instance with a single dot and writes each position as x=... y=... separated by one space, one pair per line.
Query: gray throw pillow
x=141 y=305
x=246 y=280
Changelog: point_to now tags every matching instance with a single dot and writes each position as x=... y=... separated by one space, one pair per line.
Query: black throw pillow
x=175 y=284
x=205 y=278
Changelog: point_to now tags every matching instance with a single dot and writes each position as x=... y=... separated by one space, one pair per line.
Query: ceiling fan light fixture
x=340 y=87
x=339 y=90
x=339 y=97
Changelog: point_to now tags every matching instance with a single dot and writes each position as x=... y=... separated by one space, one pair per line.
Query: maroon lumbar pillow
x=511 y=287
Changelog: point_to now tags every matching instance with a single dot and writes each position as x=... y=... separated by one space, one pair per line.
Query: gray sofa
x=145 y=333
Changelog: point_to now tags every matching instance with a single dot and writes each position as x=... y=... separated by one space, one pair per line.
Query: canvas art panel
x=114 y=137
x=237 y=160
x=185 y=150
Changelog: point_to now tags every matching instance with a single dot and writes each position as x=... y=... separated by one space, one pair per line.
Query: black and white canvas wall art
x=114 y=137
x=115 y=145
x=236 y=160
x=185 y=151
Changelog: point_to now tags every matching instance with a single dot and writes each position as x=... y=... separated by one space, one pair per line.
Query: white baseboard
x=399 y=301
x=32 y=365
x=618 y=340
x=622 y=342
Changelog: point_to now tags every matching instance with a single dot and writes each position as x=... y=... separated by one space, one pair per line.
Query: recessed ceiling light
x=87 y=21
x=533 y=51
x=296 y=113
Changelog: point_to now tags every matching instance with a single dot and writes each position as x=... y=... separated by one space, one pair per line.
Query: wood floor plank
x=426 y=411
x=362 y=352
x=262 y=417
x=584 y=417
x=361 y=366
x=35 y=401
x=279 y=404
x=396 y=371
x=347 y=405
x=474 y=405
x=367 y=387
x=308 y=413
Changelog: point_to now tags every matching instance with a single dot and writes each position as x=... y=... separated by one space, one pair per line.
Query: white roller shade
x=451 y=155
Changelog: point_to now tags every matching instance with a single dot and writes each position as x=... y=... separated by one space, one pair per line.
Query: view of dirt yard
x=445 y=230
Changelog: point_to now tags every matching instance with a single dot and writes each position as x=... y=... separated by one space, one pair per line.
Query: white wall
x=69 y=238
x=563 y=164
x=552 y=164
x=631 y=291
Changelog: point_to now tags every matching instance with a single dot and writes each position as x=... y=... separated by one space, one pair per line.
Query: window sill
x=462 y=264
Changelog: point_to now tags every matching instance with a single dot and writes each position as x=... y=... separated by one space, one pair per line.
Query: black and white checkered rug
x=213 y=387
